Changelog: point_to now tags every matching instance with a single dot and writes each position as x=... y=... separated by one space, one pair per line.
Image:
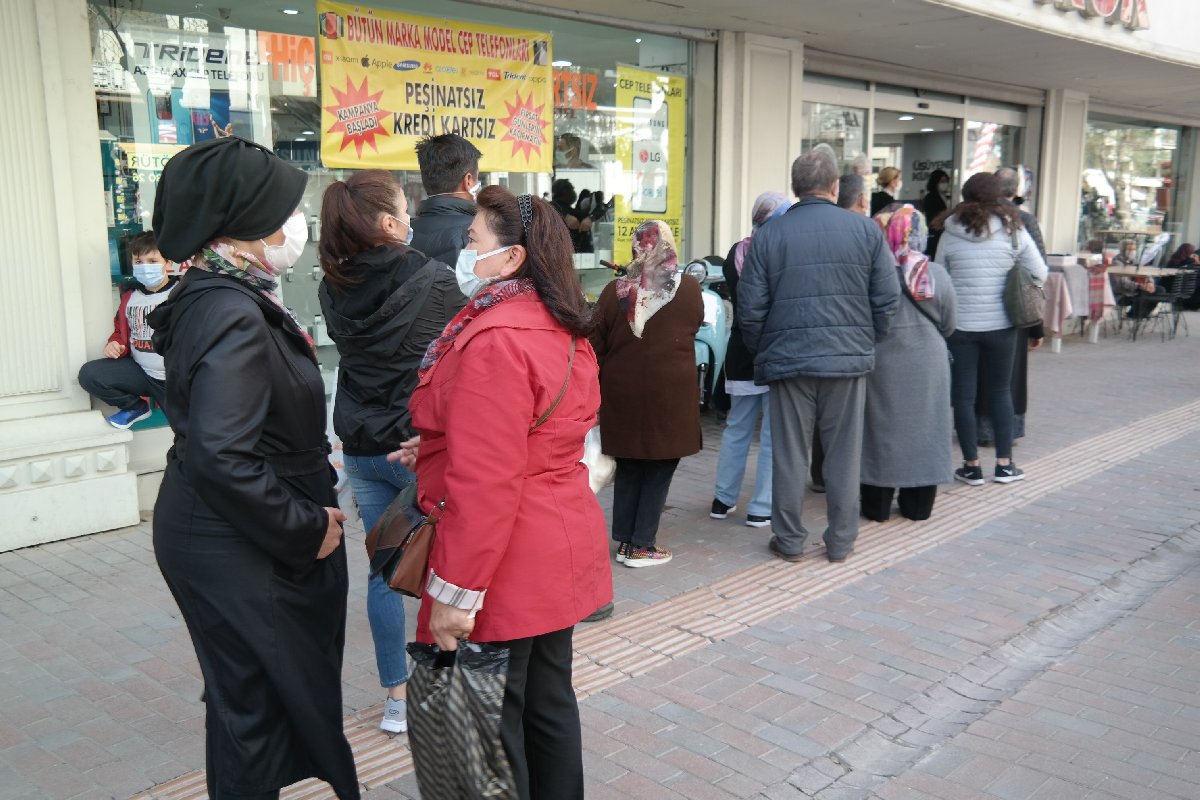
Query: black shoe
x=1009 y=473
x=819 y=488
x=720 y=510
x=972 y=476
x=757 y=522
x=603 y=612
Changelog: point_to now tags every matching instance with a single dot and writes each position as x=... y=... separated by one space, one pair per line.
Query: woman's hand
x=333 y=532
x=114 y=350
x=449 y=624
x=1034 y=344
x=407 y=454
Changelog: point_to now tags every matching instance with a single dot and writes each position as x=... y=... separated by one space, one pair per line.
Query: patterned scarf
x=904 y=228
x=653 y=276
x=222 y=258
x=485 y=301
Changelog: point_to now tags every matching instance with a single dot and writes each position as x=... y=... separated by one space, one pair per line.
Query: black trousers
x=639 y=495
x=993 y=353
x=916 y=502
x=120 y=382
x=539 y=721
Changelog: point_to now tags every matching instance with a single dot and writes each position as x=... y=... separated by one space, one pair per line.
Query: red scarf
x=483 y=302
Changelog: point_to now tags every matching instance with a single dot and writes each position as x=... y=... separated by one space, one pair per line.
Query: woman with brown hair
x=506 y=395
x=646 y=324
x=384 y=303
x=984 y=239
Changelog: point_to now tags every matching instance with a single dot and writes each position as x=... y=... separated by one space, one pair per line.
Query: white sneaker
x=395 y=716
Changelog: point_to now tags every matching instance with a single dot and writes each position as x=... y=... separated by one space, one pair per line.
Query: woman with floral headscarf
x=906 y=431
x=649 y=397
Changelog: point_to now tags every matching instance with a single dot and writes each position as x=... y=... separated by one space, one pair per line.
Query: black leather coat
x=237 y=527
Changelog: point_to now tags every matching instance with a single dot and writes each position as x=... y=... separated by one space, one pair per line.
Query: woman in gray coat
x=906 y=431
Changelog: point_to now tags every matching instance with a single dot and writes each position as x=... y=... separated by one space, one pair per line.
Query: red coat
x=520 y=520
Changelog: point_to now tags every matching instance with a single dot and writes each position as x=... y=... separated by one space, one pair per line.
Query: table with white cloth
x=1091 y=298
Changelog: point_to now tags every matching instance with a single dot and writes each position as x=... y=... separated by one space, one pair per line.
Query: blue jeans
x=376 y=482
x=735 y=446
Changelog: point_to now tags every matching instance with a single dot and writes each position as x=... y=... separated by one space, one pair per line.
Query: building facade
x=688 y=119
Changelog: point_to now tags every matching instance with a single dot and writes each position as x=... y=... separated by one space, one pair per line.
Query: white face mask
x=464 y=271
x=295 y=236
x=408 y=237
x=475 y=190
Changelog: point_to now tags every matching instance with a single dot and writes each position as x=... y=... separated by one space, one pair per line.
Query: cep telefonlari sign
x=1133 y=14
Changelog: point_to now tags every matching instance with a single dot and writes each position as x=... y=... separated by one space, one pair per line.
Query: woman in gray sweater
x=983 y=240
x=906 y=429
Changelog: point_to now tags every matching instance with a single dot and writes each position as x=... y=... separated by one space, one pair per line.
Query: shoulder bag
x=1024 y=297
x=399 y=544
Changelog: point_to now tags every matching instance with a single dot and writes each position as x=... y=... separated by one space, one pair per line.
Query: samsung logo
x=405 y=66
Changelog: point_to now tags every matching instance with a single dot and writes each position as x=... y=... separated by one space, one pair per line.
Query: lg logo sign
x=1133 y=14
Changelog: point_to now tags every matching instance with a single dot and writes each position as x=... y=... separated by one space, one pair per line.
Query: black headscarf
x=223 y=187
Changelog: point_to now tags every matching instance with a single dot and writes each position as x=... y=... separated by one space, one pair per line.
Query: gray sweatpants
x=835 y=407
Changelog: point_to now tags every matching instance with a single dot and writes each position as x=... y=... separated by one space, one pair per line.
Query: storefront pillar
x=1064 y=136
x=63 y=471
x=759 y=113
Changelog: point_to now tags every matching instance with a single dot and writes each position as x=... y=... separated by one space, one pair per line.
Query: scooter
x=712 y=340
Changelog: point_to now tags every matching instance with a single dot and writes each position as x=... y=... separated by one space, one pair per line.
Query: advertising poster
x=652 y=151
x=389 y=79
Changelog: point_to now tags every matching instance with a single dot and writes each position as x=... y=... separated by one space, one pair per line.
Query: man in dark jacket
x=450 y=175
x=818 y=290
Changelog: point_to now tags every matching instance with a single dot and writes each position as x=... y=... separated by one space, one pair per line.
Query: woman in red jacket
x=520 y=555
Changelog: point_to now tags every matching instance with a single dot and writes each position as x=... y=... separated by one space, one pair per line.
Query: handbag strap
x=561 y=392
x=916 y=304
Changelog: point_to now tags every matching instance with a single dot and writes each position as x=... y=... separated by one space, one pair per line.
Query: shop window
x=1128 y=186
x=165 y=80
x=990 y=146
x=841 y=127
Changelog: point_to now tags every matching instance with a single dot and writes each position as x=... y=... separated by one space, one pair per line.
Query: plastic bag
x=601 y=468
x=454 y=704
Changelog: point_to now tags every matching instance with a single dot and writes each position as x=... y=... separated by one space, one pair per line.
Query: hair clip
x=526 y=204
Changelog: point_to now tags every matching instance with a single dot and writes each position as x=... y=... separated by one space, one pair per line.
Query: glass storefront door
x=926 y=151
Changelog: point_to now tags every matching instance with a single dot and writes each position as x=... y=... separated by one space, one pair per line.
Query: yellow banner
x=389 y=79
x=653 y=125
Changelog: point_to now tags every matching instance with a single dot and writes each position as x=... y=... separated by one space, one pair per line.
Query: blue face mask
x=149 y=275
x=409 y=238
x=464 y=271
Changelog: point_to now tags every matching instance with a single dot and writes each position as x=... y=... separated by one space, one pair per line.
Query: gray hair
x=850 y=188
x=1010 y=181
x=814 y=171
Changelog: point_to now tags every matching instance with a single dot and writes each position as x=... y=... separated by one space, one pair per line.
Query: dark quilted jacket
x=817 y=291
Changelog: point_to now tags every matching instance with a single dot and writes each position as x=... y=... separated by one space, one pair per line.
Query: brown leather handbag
x=399 y=544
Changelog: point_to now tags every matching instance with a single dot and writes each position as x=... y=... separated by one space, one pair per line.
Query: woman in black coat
x=246 y=529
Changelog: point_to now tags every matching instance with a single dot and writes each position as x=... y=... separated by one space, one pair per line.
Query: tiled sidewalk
x=877 y=684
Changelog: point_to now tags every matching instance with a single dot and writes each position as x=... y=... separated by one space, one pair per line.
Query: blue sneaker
x=125 y=418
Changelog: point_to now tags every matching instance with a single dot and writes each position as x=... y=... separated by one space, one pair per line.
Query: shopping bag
x=454 y=704
x=601 y=468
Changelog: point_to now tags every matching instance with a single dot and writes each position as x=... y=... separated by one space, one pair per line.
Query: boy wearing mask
x=130 y=370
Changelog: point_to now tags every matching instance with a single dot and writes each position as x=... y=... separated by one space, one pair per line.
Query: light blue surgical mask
x=149 y=274
x=408 y=239
x=464 y=271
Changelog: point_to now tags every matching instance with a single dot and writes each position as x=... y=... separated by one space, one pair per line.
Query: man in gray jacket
x=817 y=291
